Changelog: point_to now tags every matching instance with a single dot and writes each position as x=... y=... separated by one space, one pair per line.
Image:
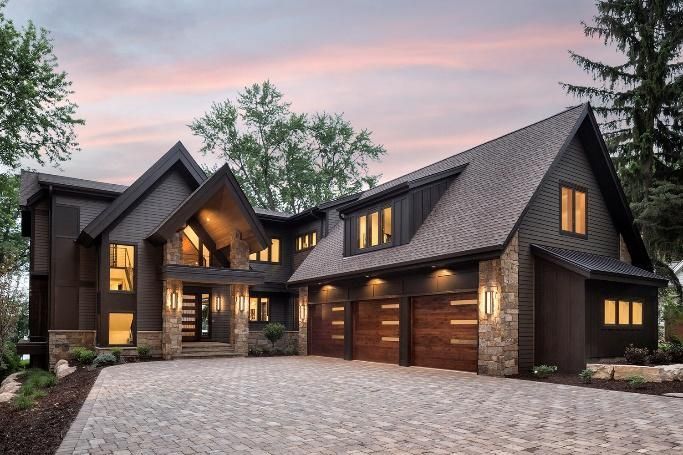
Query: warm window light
x=488 y=302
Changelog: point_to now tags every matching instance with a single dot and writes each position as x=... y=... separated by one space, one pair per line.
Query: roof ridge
x=49 y=174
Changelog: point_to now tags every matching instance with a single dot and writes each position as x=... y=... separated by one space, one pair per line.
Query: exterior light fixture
x=488 y=302
x=218 y=303
x=240 y=300
x=302 y=312
x=174 y=300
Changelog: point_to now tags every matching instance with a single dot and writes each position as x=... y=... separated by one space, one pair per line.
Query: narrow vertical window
x=637 y=313
x=314 y=238
x=253 y=309
x=264 y=309
x=567 y=209
x=206 y=256
x=263 y=255
x=386 y=225
x=579 y=212
x=610 y=312
x=624 y=312
x=374 y=228
x=362 y=231
x=121 y=267
x=573 y=210
x=305 y=242
x=275 y=250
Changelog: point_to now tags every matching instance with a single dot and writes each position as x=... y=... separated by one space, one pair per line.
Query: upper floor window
x=259 y=309
x=121 y=267
x=192 y=246
x=623 y=313
x=573 y=210
x=374 y=228
x=270 y=254
x=306 y=241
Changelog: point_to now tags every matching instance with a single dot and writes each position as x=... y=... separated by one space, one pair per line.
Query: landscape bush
x=83 y=356
x=544 y=371
x=116 y=352
x=660 y=357
x=675 y=351
x=255 y=351
x=273 y=332
x=104 y=360
x=636 y=382
x=35 y=384
x=586 y=376
x=144 y=351
x=636 y=356
x=10 y=362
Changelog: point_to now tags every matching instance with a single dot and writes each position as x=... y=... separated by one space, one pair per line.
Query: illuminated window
x=270 y=254
x=206 y=255
x=375 y=228
x=121 y=267
x=610 y=312
x=623 y=313
x=314 y=238
x=637 y=313
x=386 y=225
x=191 y=246
x=120 y=328
x=573 y=210
x=306 y=241
x=259 y=309
x=362 y=231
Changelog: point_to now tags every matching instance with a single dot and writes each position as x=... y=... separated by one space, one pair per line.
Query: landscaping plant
x=586 y=376
x=674 y=350
x=636 y=356
x=83 y=356
x=35 y=383
x=144 y=351
x=10 y=362
x=116 y=352
x=273 y=332
x=104 y=360
x=660 y=357
x=544 y=371
x=635 y=382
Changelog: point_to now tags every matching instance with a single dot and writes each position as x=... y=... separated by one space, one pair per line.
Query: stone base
x=650 y=374
x=151 y=339
x=289 y=340
x=60 y=342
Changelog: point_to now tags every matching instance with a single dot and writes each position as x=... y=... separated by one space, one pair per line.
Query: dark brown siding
x=560 y=318
x=40 y=243
x=298 y=258
x=541 y=225
x=133 y=227
x=277 y=273
x=65 y=268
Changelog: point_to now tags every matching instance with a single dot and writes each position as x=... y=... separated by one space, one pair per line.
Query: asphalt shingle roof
x=31 y=183
x=477 y=212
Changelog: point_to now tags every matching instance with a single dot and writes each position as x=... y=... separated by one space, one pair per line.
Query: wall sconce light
x=302 y=312
x=240 y=300
x=488 y=302
x=174 y=300
x=218 y=303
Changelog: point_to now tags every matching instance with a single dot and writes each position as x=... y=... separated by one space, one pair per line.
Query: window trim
x=258 y=308
x=309 y=236
x=135 y=273
x=574 y=187
x=356 y=249
x=270 y=253
x=616 y=325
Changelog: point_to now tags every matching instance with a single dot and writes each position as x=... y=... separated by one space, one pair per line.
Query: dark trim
x=348 y=330
x=177 y=154
x=405 y=335
x=210 y=275
x=574 y=188
x=366 y=212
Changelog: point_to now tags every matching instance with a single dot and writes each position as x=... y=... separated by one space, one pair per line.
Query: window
x=619 y=313
x=270 y=254
x=306 y=241
x=375 y=228
x=121 y=267
x=120 y=328
x=191 y=246
x=259 y=309
x=573 y=210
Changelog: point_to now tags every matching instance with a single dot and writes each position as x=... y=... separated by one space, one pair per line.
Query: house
x=517 y=252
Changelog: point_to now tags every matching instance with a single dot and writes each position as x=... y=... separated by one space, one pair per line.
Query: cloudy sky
x=429 y=79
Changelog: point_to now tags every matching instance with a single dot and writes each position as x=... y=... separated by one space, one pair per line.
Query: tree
x=36 y=117
x=273 y=331
x=641 y=104
x=284 y=160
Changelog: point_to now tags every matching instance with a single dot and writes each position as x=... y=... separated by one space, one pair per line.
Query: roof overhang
x=211 y=275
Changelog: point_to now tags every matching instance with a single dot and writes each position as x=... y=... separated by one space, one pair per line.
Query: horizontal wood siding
x=277 y=273
x=541 y=225
x=133 y=227
x=89 y=207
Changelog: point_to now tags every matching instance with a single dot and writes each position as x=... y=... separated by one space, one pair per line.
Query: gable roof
x=33 y=182
x=594 y=266
x=481 y=209
x=222 y=178
x=178 y=154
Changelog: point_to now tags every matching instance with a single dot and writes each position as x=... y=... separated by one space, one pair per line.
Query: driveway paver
x=329 y=406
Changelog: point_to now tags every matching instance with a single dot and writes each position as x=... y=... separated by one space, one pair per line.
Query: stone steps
x=207 y=349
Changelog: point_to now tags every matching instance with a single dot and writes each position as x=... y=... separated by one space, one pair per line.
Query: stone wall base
x=60 y=342
x=289 y=340
x=151 y=339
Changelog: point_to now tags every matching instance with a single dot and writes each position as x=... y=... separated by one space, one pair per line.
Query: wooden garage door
x=327 y=329
x=376 y=331
x=445 y=332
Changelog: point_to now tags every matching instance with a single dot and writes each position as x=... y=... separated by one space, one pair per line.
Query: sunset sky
x=429 y=79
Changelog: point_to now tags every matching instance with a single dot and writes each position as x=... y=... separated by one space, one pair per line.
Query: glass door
x=196 y=314
x=206 y=316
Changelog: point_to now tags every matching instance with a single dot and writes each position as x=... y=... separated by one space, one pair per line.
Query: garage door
x=327 y=329
x=445 y=332
x=376 y=331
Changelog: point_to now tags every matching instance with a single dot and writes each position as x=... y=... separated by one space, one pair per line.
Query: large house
x=517 y=252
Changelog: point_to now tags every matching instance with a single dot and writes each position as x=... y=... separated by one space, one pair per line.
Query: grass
x=34 y=386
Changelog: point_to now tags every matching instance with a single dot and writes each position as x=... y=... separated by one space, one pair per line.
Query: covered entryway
x=445 y=331
x=376 y=331
x=327 y=329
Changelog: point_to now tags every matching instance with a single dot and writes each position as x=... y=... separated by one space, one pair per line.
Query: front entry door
x=196 y=315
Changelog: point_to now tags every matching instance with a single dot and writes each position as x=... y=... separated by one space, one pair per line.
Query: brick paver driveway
x=319 y=405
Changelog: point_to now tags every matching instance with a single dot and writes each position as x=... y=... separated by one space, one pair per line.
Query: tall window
x=306 y=241
x=573 y=210
x=375 y=228
x=259 y=309
x=121 y=267
x=270 y=254
x=120 y=328
x=623 y=313
x=191 y=247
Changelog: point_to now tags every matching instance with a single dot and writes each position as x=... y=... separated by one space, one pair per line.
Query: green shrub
x=586 y=375
x=144 y=351
x=10 y=362
x=83 y=356
x=635 y=382
x=544 y=371
x=116 y=352
x=636 y=356
x=35 y=383
x=291 y=350
x=273 y=332
x=104 y=360
x=255 y=352
x=675 y=351
x=660 y=357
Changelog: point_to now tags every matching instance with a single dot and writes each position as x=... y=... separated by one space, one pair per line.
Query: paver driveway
x=320 y=405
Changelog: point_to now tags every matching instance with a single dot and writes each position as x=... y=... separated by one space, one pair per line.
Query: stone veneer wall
x=303 y=323
x=60 y=342
x=499 y=332
x=289 y=339
x=151 y=339
x=171 y=325
x=239 y=259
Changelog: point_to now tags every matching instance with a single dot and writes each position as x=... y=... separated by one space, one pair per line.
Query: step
x=207 y=355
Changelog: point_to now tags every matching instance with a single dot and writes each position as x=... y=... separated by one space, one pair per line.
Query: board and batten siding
x=40 y=242
x=133 y=227
x=541 y=225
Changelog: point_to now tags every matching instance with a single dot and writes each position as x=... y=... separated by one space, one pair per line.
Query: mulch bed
x=650 y=388
x=40 y=430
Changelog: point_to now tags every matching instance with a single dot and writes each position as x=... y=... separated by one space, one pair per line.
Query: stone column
x=239 y=259
x=302 y=308
x=499 y=332
x=172 y=320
